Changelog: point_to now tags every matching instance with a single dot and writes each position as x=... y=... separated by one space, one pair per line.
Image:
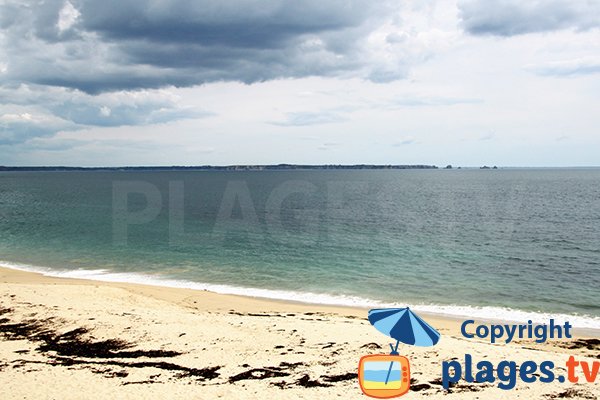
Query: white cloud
x=140 y=107
x=306 y=118
x=67 y=17
x=516 y=17
x=578 y=66
x=16 y=117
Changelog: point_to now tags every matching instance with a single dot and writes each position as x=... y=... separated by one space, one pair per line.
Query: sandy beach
x=76 y=339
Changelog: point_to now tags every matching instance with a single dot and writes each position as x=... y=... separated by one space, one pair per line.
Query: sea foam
x=452 y=311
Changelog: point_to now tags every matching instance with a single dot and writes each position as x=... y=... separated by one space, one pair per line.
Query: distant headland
x=221 y=167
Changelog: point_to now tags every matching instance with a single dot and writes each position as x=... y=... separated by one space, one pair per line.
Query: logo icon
x=384 y=376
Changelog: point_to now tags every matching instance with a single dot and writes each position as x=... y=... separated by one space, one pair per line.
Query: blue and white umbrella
x=405 y=326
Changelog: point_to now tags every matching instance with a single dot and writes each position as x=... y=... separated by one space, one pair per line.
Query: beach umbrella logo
x=385 y=376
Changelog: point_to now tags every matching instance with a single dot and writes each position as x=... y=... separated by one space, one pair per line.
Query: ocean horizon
x=508 y=244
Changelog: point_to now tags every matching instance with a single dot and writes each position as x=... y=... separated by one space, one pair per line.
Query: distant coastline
x=278 y=167
x=285 y=167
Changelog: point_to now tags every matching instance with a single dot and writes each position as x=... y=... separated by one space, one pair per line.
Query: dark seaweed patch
x=339 y=378
x=70 y=347
x=72 y=343
x=184 y=372
x=590 y=344
x=370 y=346
x=118 y=374
x=284 y=364
x=438 y=381
x=306 y=382
x=138 y=382
x=419 y=387
x=255 y=314
x=258 y=373
x=571 y=393
x=32 y=329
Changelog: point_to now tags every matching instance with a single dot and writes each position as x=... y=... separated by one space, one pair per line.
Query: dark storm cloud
x=514 y=17
x=97 y=63
x=104 y=46
x=248 y=24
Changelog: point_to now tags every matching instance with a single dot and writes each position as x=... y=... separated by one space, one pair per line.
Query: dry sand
x=78 y=339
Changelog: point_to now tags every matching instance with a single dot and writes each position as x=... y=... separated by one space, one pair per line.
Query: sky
x=173 y=82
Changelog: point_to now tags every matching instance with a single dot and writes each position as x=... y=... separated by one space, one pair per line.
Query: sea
x=509 y=244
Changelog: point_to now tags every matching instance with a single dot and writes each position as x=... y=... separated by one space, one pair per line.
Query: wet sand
x=73 y=339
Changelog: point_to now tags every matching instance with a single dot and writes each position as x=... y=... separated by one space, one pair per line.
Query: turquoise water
x=516 y=244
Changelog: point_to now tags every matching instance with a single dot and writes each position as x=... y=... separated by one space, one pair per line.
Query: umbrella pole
x=395 y=353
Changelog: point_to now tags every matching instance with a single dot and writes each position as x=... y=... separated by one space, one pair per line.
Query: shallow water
x=516 y=243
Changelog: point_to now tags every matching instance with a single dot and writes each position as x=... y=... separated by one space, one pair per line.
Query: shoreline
x=168 y=292
x=205 y=300
x=74 y=338
x=209 y=300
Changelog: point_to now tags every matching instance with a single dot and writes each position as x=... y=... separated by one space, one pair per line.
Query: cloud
x=122 y=108
x=36 y=110
x=405 y=141
x=67 y=17
x=514 y=17
x=58 y=143
x=329 y=146
x=310 y=118
x=114 y=45
x=431 y=101
x=51 y=144
x=578 y=66
x=91 y=63
x=26 y=123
